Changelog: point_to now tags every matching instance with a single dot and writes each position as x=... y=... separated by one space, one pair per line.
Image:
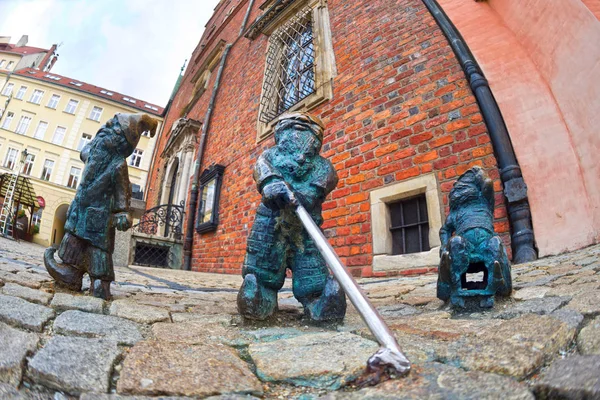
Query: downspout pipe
x=189 y=232
x=515 y=189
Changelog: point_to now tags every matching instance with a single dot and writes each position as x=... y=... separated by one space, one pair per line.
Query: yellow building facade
x=53 y=117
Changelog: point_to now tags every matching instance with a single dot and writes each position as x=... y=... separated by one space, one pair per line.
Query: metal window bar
x=406 y=233
x=290 y=66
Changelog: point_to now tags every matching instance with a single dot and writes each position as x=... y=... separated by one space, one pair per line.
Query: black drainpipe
x=515 y=189
x=189 y=233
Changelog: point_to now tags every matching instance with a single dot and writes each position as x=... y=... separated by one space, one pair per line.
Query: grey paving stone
x=540 y=306
x=25 y=278
x=176 y=369
x=14 y=347
x=74 y=365
x=439 y=381
x=326 y=360
x=575 y=377
x=587 y=303
x=533 y=292
x=517 y=347
x=568 y=316
x=397 y=310
x=18 y=312
x=8 y=392
x=588 y=341
x=138 y=312
x=103 y=396
x=65 y=301
x=32 y=295
x=79 y=323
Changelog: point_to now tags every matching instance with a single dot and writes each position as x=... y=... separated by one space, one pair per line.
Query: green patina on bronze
x=470 y=245
x=101 y=205
x=291 y=171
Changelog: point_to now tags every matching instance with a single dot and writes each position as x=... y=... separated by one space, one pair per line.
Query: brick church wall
x=401 y=108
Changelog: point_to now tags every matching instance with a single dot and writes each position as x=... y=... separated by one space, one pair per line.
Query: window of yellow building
x=21 y=93
x=47 y=171
x=59 y=135
x=74 y=176
x=85 y=139
x=2 y=63
x=8 y=120
x=8 y=88
x=96 y=113
x=71 y=106
x=40 y=131
x=28 y=166
x=136 y=158
x=53 y=103
x=36 y=96
x=10 y=65
x=11 y=158
x=23 y=125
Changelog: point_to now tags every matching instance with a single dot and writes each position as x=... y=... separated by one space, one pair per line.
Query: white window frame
x=21 y=92
x=10 y=64
x=2 y=63
x=28 y=164
x=23 y=125
x=62 y=137
x=135 y=160
x=55 y=105
x=37 y=134
x=8 y=120
x=380 y=224
x=324 y=62
x=11 y=158
x=45 y=170
x=83 y=141
x=74 y=108
x=35 y=99
x=8 y=89
x=98 y=115
x=73 y=180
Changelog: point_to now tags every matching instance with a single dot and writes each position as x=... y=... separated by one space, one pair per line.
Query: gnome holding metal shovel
x=101 y=204
x=294 y=180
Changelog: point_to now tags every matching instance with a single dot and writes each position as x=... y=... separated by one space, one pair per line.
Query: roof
x=12 y=48
x=24 y=192
x=97 y=91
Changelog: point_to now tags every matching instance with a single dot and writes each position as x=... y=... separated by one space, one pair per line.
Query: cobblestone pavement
x=174 y=334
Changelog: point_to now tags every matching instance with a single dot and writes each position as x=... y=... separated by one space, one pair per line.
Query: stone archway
x=58 y=226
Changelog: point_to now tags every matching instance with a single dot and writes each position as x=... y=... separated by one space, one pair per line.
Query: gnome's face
x=300 y=145
x=467 y=188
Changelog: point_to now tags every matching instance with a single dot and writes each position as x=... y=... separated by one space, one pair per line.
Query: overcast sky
x=135 y=47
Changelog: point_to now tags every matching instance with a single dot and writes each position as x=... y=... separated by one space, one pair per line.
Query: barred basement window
x=409 y=225
x=290 y=74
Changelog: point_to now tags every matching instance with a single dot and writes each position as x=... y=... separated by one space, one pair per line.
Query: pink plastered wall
x=542 y=60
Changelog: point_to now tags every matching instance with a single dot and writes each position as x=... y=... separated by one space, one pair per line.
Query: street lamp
x=24 y=155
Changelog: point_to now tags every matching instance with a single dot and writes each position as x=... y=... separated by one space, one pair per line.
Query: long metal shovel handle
x=389 y=358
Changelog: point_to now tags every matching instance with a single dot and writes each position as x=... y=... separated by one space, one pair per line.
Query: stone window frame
x=383 y=261
x=325 y=65
x=212 y=174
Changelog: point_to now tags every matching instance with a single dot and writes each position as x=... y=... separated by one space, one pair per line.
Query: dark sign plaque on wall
x=208 y=206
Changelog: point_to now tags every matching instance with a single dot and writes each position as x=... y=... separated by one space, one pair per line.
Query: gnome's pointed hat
x=133 y=125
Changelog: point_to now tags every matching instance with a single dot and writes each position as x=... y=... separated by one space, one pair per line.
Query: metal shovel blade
x=389 y=359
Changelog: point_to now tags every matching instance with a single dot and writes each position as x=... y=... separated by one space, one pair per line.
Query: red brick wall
x=401 y=108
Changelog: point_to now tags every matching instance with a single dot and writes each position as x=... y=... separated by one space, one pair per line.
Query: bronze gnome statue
x=470 y=245
x=291 y=171
x=101 y=204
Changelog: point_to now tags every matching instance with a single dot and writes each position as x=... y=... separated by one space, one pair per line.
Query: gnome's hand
x=277 y=195
x=123 y=221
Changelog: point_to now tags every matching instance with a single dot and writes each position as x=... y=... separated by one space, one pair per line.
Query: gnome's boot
x=254 y=300
x=64 y=274
x=100 y=288
x=330 y=306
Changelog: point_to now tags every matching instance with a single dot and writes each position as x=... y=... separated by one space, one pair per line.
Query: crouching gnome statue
x=101 y=204
x=291 y=171
x=470 y=245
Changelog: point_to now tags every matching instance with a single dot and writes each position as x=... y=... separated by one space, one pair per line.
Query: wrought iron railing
x=165 y=220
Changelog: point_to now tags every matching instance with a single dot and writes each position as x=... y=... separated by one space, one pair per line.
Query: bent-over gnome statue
x=101 y=204
x=470 y=245
x=291 y=171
